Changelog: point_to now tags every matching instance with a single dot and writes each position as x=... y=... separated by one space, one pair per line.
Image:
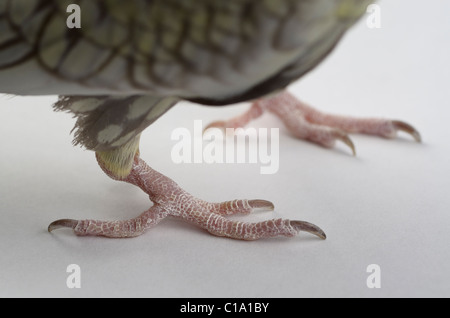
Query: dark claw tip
x=261 y=205
x=407 y=128
x=342 y=136
x=62 y=223
x=309 y=227
x=217 y=124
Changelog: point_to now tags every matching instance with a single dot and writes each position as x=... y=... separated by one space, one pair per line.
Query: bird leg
x=169 y=199
x=305 y=122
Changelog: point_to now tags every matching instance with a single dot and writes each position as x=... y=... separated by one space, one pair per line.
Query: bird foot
x=305 y=122
x=172 y=201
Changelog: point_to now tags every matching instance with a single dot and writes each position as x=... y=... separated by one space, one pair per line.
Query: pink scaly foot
x=305 y=122
x=172 y=201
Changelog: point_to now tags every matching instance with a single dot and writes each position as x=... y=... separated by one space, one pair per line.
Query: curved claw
x=261 y=205
x=308 y=227
x=62 y=223
x=217 y=124
x=342 y=136
x=407 y=128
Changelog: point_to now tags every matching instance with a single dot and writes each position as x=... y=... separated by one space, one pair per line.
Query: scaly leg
x=305 y=122
x=171 y=200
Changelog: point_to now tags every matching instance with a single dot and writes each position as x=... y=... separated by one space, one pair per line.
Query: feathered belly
x=188 y=49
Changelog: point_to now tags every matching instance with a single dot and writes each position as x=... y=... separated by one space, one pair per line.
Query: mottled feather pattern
x=108 y=122
x=213 y=51
x=133 y=60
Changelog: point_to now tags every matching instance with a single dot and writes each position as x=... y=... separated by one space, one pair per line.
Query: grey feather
x=151 y=53
x=203 y=50
x=105 y=122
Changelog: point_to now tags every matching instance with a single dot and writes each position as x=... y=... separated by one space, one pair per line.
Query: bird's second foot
x=305 y=122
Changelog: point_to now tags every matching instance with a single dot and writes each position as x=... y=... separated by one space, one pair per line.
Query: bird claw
x=69 y=223
x=217 y=124
x=407 y=128
x=261 y=205
x=342 y=136
x=308 y=227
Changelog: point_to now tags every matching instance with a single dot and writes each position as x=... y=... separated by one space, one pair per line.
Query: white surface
x=389 y=206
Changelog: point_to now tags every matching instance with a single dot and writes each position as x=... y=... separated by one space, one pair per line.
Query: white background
x=388 y=206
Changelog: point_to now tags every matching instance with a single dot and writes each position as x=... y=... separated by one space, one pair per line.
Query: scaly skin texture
x=131 y=61
x=306 y=122
x=171 y=200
